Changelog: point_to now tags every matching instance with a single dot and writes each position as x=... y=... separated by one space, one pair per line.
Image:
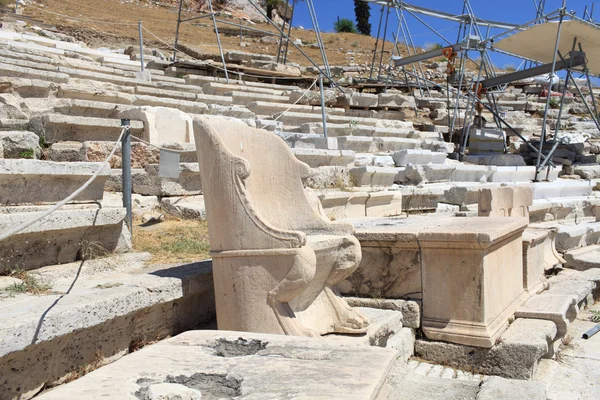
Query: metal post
x=323 y=106
x=141 y=45
x=287 y=42
x=126 y=170
x=387 y=17
x=543 y=137
x=212 y=15
x=177 y=31
x=376 y=44
x=287 y=6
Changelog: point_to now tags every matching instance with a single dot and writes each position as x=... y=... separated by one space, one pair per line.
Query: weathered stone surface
x=293 y=255
x=406 y=157
x=56 y=128
x=148 y=182
x=172 y=391
x=17 y=144
x=359 y=100
x=328 y=178
x=539 y=256
x=313 y=98
x=481 y=265
x=66 y=235
x=189 y=207
x=162 y=124
x=515 y=355
x=43 y=182
x=497 y=388
x=562 y=310
x=113 y=306
x=584 y=258
x=511 y=201
x=248 y=365
x=411 y=310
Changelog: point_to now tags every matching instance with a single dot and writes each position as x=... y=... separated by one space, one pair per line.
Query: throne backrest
x=249 y=173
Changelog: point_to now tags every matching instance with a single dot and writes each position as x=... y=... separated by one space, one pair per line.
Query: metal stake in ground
x=141 y=45
x=323 y=107
x=126 y=171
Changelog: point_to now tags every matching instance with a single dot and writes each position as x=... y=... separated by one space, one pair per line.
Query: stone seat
x=57 y=128
x=276 y=258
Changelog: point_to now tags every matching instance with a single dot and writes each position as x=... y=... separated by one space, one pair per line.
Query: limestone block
x=406 y=157
x=47 y=182
x=395 y=100
x=318 y=158
x=30 y=73
x=162 y=124
x=94 y=151
x=264 y=230
x=513 y=201
x=482 y=141
x=411 y=310
x=560 y=309
x=334 y=204
x=172 y=391
x=65 y=236
x=515 y=160
x=359 y=100
x=238 y=364
x=312 y=98
x=357 y=203
x=584 y=258
x=539 y=256
x=10 y=107
x=495 y=388
x=384 y=204
x=189 y=207
x=16 y=144
x=328 y=177
x=472 y=278
x=57 y=128
x=515 y=355
x=373 y=176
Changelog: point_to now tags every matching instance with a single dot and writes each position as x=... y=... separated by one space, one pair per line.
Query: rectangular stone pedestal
x=472 y=278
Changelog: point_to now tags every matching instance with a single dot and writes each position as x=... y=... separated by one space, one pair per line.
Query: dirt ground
x=113 y=23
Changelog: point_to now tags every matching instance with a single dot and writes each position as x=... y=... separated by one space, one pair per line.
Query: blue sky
x=512 y=11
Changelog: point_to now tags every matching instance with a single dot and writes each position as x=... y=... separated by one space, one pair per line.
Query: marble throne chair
x=276 y=261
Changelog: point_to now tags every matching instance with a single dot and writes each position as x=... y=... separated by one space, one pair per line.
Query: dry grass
x=30 y=284
x=173 y=241
x=162 y=21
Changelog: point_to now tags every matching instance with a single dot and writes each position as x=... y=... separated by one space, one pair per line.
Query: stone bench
x=73 y=232
x=47 y=182
x=57 y=127
x=467 y=271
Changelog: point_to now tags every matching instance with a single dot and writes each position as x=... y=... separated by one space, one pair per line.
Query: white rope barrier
x=76 y=193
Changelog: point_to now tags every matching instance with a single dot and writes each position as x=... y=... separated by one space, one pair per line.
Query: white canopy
x=537 y=42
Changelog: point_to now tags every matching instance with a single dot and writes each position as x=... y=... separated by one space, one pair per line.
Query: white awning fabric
x=537 y=43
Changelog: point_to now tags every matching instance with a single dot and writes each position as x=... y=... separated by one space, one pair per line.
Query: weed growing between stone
x=173 y=240
x=595 y=317
x=29 y=284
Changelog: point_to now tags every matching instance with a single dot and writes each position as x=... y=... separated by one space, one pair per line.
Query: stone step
x=563 y=208
x=148 y=182
x=243 y=98
x=336 y=130
x=269 y=108
x=574 y=234
x=299 y=118
x=200 y=80
x=84 y=108
x=318 y=158
x=57 y=127
x=584 y=258
x=587 y=171
x=113 y=305
x=30 y=73
x=64 y=236
x=364 y=144
x=220 y=89
x=375 y=176
x=341 y=205
x=403 y=158
x=48 y=182
x=101 y=77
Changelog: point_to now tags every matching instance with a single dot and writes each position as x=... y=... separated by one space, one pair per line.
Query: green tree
x=344 y=25
x=362 y=10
